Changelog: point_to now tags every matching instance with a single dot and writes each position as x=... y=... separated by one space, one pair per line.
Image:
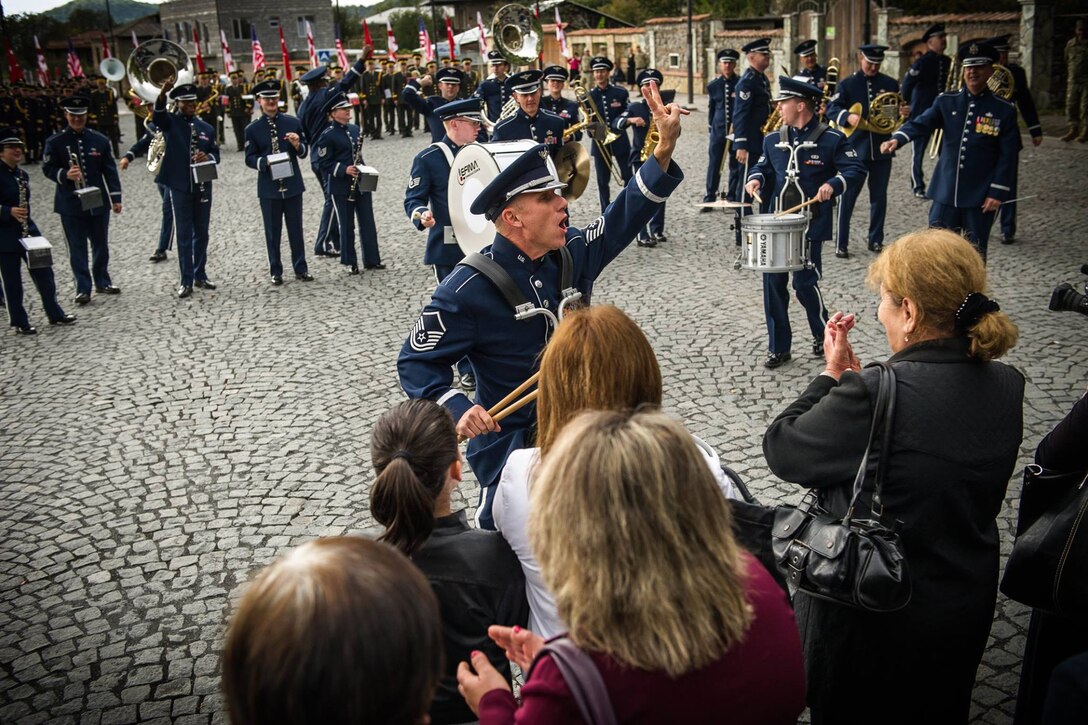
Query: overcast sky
x=15 y=7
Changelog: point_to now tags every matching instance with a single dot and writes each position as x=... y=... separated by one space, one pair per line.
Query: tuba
x=1002 y=83
x=152 y=65
x=112 y=69
x=517 y=34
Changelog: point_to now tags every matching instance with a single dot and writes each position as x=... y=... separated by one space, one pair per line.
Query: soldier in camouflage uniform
x=1076 y=84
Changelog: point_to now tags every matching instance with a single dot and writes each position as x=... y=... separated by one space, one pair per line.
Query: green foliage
x=406 y=28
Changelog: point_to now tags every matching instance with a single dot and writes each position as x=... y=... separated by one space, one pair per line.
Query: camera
x=1065 y=298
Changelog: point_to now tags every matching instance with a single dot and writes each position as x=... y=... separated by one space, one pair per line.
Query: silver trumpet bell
x=153 y=63
x=517 y=34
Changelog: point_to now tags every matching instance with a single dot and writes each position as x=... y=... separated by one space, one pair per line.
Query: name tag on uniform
x=280 y=165
x=39 y=252
x=204 y=171
x=90 y=198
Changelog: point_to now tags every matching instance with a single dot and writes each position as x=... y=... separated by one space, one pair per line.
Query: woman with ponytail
x=475 y=575
x=957 y=427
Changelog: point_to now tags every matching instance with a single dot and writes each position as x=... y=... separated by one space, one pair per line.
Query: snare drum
x=772 y=243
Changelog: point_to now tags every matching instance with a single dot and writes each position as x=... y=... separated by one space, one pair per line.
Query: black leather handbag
x=1046 y=569
x=853 y=561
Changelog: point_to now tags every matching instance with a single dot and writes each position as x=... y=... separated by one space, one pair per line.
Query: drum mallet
x=797 y=208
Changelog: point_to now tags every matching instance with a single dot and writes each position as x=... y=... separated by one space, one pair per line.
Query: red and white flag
x=341 y=56
x=286 y=57
x=14 y=69
x=43 y=69
x=480 y=30
x=449 y=37
x=258 y=54
x=310 y=44
x=366 y=34
x=391 y=41
x=228 y=59
x=199 y=56
x=560 y=36
x=105 y=47
x=540 y=55
x=75 y=68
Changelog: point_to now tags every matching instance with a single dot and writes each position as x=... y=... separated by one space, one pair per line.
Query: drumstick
x=497 y=407
x=757 y=197
x=516 y=406
x=799 y=207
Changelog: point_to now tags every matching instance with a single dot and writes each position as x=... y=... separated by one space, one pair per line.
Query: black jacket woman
x=957 y=431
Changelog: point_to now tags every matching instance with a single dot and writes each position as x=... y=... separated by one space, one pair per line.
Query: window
x=188 y=32
x=301 y=21
x=274 y=22
x=181 y=33
x=240 y=28
x=674 y=60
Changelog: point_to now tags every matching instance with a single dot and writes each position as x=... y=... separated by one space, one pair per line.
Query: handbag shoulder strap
x=583 y=680
x=883 y=411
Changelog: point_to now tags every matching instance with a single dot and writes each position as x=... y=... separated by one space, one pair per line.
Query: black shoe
x=842 y=253
x=277 y=280
x=468 y=382
x=66 y=320
x=353 y=269
x=108 y=290
x=28 y=330
x=1008 y=239
x=876 y=248
x=705 y=209
x=646 y=242
x=304 y=277
x=919 y=193
x=379 y=265
x=817 y=347
x=185 y=290
x=660 y=238
x=322 y=253
x=82 y=298
x=204 y=284
x=157 y=256
x=776 y=359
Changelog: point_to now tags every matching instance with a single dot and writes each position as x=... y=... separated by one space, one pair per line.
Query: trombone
x=602 y=135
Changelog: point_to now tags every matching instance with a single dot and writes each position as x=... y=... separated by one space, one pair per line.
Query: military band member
x=470 y=79
x=1025 y=104
x=468 y=315
x=74 y=158
x=15 y=224
x=281 y=198
x=611 y=101
x=239 y=105
x=492 y=89
x=208 y=107
x=824 y=171
x=166 y=227
x=394 y=81
x=862 y=87
x=639 y=117
x=338 y=150
x=810 y=65
x=448 y=81
x=555 y=77
x=372 y=98
x=979 y=149
x=104 y=109
x=141 y=112
x=530 y=121
x=189 y=140
x=298 y=88
x=753 y=103
x=926 y=79
x=722 y=94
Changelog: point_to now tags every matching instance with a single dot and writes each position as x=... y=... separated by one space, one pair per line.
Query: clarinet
x=192 y=154
x=357 y=159
x=24 y=203
x=276 y=147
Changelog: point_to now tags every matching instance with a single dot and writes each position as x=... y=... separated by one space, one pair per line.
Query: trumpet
x=883 y=117
x=593 y=115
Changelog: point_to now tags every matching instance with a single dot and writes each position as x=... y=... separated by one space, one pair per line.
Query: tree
x=406 y=28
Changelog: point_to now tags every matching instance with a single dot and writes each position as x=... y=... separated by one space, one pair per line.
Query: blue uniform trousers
x=971 y=222
x=878 y=173
x=918 y=152
x=11 y=271
x=191 y=218
x=656 y=225
x=346 y=213
x=166 y=231
x=77 y=231
x=328 y=235
x=776 y=301
x=714 y=170
x=275 y=211
x=1007 y=209
x=604 y=176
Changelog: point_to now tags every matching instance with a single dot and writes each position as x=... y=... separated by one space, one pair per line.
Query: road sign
x=323 y=56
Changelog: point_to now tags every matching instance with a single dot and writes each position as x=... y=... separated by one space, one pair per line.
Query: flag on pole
x=228 y=59
x=366 y=34
x=286 y=57
x=199 y=56
x=391 y=40
x=480 y=30
x=14 y=70
x=560 y=36
x=258 y=54
x=540 y=55
x=341 y=56
x=75 y=68
x=43 y=69
x=310 y=44
x=449 y=37
x=135 y=40
x=425 y=41
x=105 y=47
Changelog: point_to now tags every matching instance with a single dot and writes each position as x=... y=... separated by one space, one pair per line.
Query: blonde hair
x=937 y=269
x=635 y=540
x=598 y=359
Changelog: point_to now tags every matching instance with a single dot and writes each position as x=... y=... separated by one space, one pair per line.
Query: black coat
x=957 y=431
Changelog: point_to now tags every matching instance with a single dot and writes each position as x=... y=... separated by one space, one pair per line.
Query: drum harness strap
x=523 y=308
x=792 y=170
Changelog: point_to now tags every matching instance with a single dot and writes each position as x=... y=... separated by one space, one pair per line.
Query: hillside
x=122 y=10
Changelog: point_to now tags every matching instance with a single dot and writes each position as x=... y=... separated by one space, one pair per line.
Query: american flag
x=425 y=41
x=258 y=54
x=75 y=68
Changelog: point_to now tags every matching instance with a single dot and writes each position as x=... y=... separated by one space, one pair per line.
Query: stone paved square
x=157 y=453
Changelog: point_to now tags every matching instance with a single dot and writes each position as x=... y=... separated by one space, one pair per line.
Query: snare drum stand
x=793 y=175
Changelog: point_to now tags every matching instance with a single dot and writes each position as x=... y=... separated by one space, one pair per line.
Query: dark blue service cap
x=648 y=75
x=470 y=108
x=797 y=87
x=937 y=29
x=555 y=73
x=315 y=75
x=184 y=92
x=10 y=135
x=78 y=105
x=872 y=53
x=975 y=53
x=448 y=75
x=599 y=62
x=805 y=47
x=529 y=173
x=1000 y=43
x=728 y=54
x=759 y=45
x=525 y=82
x=334 y=101
x=267 y=89
x=494 y=57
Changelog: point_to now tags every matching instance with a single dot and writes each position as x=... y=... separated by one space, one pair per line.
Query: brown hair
x=411 y=447
x=339 y=630
x=937 y=269
x=598 y=359
x=635 y=540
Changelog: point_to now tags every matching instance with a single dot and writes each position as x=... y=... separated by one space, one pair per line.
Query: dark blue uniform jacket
x=751 y=110
x=427 y=190
x=11 y=230
x=722 y=94
x=259 y=146
x=336 y=152
x=925 y=80
x=95 y=158
x=859 y=88
x=184 y=136
x=545 y=127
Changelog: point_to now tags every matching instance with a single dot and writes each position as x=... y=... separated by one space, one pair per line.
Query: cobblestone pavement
x=156 y=454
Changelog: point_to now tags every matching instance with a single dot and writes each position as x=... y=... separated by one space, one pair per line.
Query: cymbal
x=572 y=167
x=723 y=204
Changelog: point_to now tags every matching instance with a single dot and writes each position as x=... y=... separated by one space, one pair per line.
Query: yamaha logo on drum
x=466 y=171
x=764 y=252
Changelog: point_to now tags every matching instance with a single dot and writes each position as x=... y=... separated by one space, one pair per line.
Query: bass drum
x=474 y=167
